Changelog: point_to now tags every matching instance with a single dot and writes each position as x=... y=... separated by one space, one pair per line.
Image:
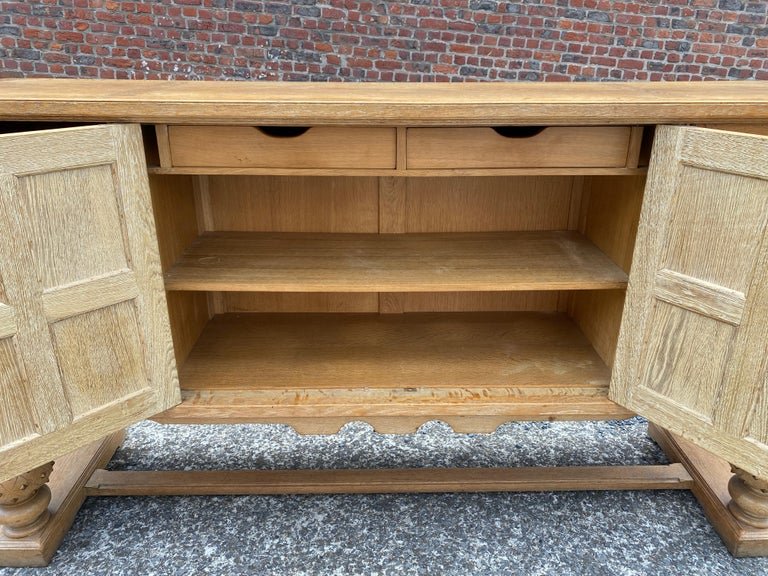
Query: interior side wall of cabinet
x=178 y=224
x=610 y=213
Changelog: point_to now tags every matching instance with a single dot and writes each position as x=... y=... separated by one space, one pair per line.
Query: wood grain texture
x=517 y=301
x=67 y=484
x=248 y=147
x=695 y=372
x=81 y=267
x=761 y=129
x=393 y=263
x=163 y=146
x=96 y=292
x=727 y=152
x=598 y=314
x=522 y=479
x=7 y=321
x=635 y=146
x=178 y=222
x=392 y=197
x=417 y=173
x=487 y=204
x=395 y=104
x=348 y=350
x=710 y=487
x=555 y=147
x=609 y=218
x=14 y=396
x=267 y=367
x=474 y=204
x=294 y=204
x=699 y=296
x=297 y=301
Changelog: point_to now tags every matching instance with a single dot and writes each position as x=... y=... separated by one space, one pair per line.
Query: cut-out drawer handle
x=519 y=131
x=282 y=131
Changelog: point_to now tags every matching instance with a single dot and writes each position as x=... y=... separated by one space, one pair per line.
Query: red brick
x=367 y=43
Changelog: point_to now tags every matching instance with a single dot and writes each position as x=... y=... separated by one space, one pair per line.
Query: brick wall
x=416 y=40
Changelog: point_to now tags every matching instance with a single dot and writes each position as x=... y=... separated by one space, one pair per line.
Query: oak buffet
x=313 y=254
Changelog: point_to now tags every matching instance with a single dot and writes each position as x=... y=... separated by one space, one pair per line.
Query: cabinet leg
x=35 y=514
x=736 y=504
x=749 y=498
x=24 y=502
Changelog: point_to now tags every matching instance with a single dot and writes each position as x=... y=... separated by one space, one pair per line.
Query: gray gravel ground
x=590 y=533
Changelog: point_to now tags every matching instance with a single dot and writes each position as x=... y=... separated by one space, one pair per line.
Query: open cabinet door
x=693 y=347
x=85 y=342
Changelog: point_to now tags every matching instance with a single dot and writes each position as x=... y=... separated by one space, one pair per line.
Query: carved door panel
x=85 y=345
x=693 y=350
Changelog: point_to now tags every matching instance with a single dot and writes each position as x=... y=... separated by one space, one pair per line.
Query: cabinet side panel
x=610 y=215
x=177 y=222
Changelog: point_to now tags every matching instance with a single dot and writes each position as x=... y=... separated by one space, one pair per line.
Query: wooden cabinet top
x=297 y=103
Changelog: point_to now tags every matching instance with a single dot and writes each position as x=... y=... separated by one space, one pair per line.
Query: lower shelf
x=316 y=372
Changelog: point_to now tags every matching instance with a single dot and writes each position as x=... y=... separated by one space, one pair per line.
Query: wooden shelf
x=394 y=371
x=494 y=261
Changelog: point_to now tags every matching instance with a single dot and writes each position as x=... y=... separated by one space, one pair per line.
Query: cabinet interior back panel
x=485 y=204
x=293 y=204
x=488 y=204
x=389 y=205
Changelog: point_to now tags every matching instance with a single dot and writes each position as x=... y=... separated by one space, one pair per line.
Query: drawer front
x=552 y=147
x=270 y=147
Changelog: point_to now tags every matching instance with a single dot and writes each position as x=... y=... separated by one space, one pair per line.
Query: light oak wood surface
x=554 y=147
x=342 y=367
x=691 y=355
x=610 y=212
x=393 y=263
x=692 y=351
x=393 y=104
x=247 y=146
x=711 y=475
x=70 y=474
x=416 y=173
x=177 y=224
x=523 y=479
x=92 y=352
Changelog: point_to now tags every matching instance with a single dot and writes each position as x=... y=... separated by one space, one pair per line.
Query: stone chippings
x=369 y=40
x=590 y=533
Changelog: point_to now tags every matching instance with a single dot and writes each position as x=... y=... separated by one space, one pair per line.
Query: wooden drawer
x=281 y=147
x=523 y=147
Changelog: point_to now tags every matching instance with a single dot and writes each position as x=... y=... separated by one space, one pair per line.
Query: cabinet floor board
x=522 y=365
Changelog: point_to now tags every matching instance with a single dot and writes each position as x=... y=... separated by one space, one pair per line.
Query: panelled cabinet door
x=693 y=348
x=85 y=344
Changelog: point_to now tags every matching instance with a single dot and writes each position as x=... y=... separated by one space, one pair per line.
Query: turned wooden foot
x=749 y=498
x=24 y=502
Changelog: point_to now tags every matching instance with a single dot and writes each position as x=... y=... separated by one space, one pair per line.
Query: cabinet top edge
x=395 y=104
